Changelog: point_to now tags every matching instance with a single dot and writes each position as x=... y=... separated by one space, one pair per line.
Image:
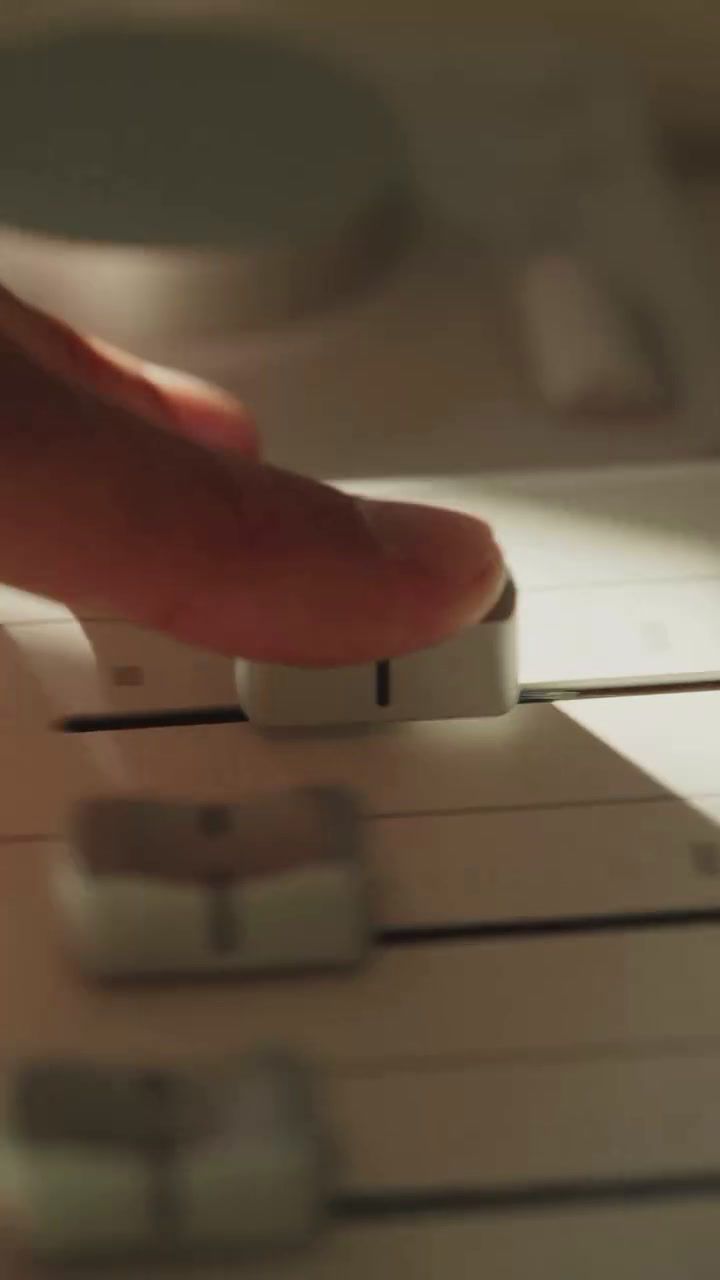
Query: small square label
x=129 y=677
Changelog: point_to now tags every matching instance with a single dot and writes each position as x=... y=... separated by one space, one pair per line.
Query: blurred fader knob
x=276 y=883
x=162 y=182
x=119 y=1163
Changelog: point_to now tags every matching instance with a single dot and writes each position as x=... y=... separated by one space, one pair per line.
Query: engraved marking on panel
x=127 y=677
x=223 y=927
x=705 y=855
x=165 y=1206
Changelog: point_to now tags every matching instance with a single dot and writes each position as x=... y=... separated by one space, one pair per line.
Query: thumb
x=98 y=506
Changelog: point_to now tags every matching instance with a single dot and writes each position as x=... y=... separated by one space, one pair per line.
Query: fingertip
x=456 y=546
x=456 y=552
x=337 y=581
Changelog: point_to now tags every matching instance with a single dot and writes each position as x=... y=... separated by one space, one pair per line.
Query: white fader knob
x=151 y=888
x=101 y=1161
x=472 y=674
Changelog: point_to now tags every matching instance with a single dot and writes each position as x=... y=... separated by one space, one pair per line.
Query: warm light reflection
x=672 y=739
x=618 y=570
x=126 y=293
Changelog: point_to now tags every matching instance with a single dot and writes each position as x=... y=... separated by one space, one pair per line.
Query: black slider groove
x=382 y=683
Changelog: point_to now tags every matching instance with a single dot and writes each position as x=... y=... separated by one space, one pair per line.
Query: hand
x=135 y=491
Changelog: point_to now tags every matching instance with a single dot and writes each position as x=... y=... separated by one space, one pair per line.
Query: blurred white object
x=196 y=177
x=586 y=350
x=105 y=1161
x=147 y=887
x=422 y=370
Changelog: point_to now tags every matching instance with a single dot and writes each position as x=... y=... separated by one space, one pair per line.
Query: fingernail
x=449 y=545
x=208 y=414
x=180 y=401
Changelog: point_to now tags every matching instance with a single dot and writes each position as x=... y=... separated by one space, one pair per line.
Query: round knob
x=164 y=181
